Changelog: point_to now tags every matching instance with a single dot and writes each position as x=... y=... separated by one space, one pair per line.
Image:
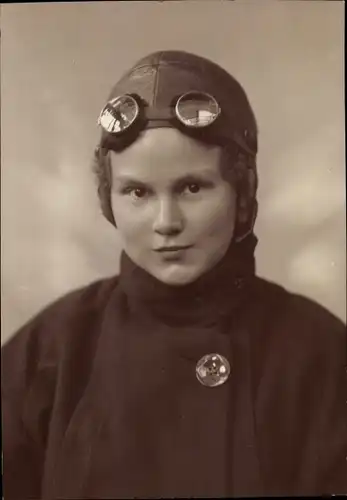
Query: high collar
x=209 y=299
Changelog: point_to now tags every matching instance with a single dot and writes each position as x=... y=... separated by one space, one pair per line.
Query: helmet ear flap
x=102 y=169
x=247 y=206
x=245 y=229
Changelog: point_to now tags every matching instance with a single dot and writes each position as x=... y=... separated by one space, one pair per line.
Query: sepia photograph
x=173 y=257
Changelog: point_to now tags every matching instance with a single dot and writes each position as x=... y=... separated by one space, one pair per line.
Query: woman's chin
x=177 y=275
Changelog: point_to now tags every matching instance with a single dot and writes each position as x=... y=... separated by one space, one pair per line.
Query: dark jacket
x=101 y=400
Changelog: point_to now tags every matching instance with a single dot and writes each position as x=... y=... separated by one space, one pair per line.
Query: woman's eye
x=137 y=193
x=193 y=188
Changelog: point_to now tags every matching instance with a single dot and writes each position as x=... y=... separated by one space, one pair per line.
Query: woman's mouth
x=173 y=248
x=173 y=252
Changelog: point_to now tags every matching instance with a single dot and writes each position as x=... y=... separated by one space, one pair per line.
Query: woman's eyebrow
x=191 y=178
x=125 y=179
x=185 y=179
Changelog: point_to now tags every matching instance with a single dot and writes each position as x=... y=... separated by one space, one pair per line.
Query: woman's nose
x=169 y=218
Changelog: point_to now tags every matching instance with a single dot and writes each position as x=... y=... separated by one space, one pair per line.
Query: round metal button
x=212 y=370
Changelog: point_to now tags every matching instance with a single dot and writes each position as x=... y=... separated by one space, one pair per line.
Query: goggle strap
x=160 y=114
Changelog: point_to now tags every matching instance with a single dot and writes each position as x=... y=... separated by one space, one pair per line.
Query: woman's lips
x=173 y=253
x=172 y=248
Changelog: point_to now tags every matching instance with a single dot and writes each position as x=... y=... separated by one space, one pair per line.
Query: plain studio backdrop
x=59 y=61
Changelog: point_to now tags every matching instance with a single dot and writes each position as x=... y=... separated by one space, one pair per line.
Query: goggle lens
x=119 y=114
x=197 y=109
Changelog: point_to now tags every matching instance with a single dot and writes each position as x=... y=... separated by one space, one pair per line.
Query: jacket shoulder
x=76 y=304
x=69 y=323
x=299 y=319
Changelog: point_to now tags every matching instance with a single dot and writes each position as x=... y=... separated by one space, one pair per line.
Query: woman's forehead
x=165 y=153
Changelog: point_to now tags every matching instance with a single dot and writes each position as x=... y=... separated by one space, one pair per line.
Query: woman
x=186 y=375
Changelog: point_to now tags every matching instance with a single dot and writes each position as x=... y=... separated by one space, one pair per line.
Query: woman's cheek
x=219 y=220
x=137 y=219
x=212 y=211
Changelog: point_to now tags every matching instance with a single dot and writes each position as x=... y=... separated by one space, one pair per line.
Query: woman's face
x=174 y=211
